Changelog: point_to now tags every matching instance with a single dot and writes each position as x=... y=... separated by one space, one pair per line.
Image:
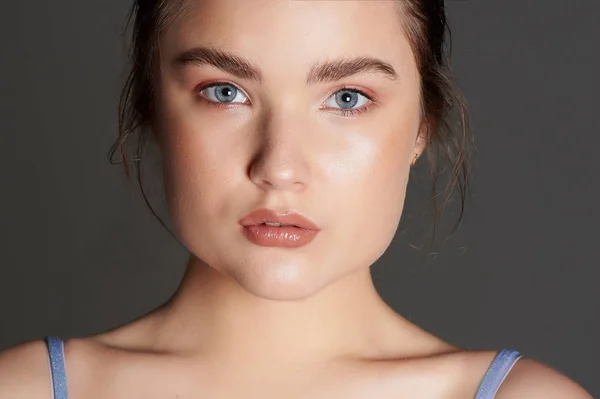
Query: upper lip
x=267 y=215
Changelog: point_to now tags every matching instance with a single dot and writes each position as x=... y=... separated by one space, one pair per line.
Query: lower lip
x=283 y=236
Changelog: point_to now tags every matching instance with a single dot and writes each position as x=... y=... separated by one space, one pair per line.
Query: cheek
x=352 y=162
x=367 y=184
x=195 y=173
x=373 y=160
x=201 y=183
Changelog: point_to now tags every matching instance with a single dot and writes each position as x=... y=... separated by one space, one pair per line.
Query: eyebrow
x=325 y=71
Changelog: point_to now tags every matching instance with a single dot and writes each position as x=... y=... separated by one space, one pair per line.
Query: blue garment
x=58 y=374
x=495 y=375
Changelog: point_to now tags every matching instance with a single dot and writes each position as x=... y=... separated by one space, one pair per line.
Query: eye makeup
x=201 y=89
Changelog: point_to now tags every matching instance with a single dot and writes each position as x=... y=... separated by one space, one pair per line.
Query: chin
x=279 y=279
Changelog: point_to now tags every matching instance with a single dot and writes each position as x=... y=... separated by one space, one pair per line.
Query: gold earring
x=415 y=156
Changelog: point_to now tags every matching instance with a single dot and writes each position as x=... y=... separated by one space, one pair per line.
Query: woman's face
x=323 y=120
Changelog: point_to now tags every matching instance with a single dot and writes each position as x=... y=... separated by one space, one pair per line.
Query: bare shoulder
x=459 y=373
x=532 y=379
x=24 y=371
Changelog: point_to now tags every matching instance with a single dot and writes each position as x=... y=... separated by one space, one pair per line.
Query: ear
x=421 y=140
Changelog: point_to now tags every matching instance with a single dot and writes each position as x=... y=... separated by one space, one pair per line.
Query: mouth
x=267 y=217
x=266 y=228
x=277 y=224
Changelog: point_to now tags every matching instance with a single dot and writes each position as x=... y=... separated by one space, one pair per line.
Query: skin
x=256 y=322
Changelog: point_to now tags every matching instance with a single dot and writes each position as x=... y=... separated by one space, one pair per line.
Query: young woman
x=287 y=131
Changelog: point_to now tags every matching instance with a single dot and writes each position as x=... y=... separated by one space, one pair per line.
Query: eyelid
x=366 y=92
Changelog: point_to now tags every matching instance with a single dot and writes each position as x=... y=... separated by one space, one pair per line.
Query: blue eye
x=347 y=99
x=223 y=93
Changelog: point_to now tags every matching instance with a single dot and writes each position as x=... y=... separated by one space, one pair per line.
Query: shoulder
x=463 y=371
x=25 y=372
x=532 y=379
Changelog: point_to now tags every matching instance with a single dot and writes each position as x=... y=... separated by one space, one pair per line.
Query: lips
x=262 y=216
x=295 y=230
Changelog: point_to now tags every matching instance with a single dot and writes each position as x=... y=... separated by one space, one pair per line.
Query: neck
x=214 y=316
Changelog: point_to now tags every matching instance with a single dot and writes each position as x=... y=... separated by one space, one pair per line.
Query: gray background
x=80 y=252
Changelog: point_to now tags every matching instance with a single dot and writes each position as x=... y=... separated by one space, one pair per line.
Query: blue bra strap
x=496 y=373
x=57 y=367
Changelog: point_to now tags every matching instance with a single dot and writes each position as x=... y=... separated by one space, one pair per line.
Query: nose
x=281 y=161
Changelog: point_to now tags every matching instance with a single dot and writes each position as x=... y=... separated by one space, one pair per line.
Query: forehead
x=291 y=33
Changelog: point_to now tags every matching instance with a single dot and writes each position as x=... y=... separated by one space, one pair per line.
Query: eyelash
x=345 y=112
x=355 y=111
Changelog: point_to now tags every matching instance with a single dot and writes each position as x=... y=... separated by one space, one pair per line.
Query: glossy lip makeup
x=266 y=228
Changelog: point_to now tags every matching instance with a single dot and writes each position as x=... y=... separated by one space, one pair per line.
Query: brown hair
x=449 y=138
